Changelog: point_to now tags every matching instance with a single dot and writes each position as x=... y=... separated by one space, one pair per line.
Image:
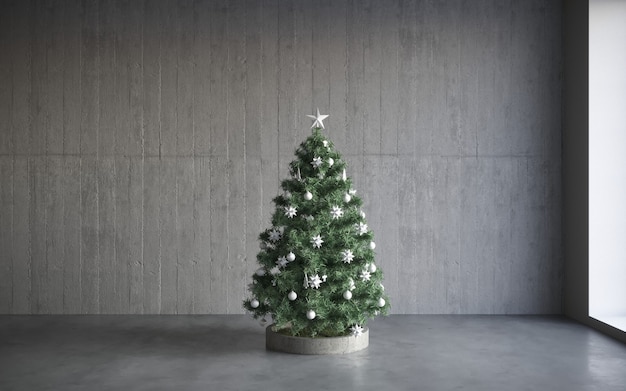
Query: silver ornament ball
x=292 y=296
x=310 y=314
x=347 y=295
x=254 y=303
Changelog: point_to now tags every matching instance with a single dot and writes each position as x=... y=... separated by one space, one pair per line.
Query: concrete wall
x=141 y=143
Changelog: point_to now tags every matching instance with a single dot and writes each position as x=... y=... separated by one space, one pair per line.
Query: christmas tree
x=317 y=275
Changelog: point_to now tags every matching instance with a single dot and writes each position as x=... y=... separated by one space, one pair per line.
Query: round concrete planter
x=324 y=345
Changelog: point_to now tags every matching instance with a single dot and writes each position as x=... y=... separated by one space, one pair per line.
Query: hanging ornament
x=287 y=195
x=316 y=162
x=356 y=330
x=372 y=268
x=260 y=272
x=382 y=286
x=381 y=302
x=274 y=235
x=351 y=282
x=372 y=245
x=282 y=261
x=347 y=295
x=343 y=175
x=315 y=282
x=347 y=256
x=331 y=161
x=319 y=118
x=347 y=197
x=325 y=143
x=361 y=228
x=365 y=275
x=362 y=214
x=291 y=257
x=336 y=212
x=308 y=196
x=299 y=175
x=310 y=314
x=352 y=191
x=290 y=211
x=254 y=303
x=317 y=241
x=292 y=295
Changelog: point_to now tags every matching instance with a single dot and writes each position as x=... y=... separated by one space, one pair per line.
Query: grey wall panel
x=142 y=144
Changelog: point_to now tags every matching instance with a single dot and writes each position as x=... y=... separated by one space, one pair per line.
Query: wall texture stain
x=141 y=143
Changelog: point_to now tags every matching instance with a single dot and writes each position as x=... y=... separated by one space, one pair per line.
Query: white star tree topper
x=319 y=118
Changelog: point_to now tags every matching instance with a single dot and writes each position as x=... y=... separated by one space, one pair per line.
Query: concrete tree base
x=324 y=345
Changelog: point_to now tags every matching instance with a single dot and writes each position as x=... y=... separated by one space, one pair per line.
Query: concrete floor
x=228 y=353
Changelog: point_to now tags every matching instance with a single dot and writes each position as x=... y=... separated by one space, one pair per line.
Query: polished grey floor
x=416 y=352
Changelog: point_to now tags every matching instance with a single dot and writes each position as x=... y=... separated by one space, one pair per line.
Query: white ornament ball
x=382 y=286
x=260 y=272
x=372 y=245
x=308 y=196
x=347 y=295
x=291 y=257
x=381 y=302
x=372 y=268
x=310 y=314
x=254 y=303
x=331 y=161
x=292 y=296
x=347 y=197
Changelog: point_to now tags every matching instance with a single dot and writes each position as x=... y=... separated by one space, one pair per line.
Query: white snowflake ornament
x=282 y=261
x=361 y=228
x=290 y=211
x=315 y=282
x=356 y=330
x=336 y=212
x=347 y=256
x=317 y=241
x=316 y=162
x=274 y=235
x=274 y=271
x=365 y=275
